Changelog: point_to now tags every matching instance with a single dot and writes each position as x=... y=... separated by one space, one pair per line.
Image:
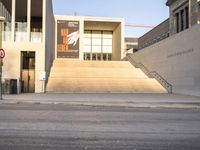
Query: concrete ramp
x=71 y=76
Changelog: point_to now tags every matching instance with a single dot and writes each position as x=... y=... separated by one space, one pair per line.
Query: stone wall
x=177 y=59
x=157 y=34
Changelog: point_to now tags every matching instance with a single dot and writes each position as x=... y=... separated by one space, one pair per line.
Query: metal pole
x=1 y=20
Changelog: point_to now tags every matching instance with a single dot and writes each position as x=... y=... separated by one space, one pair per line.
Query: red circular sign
x=2 y=53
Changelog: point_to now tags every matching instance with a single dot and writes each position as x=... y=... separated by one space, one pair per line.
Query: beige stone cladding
x=35 y=35
x=176 y=59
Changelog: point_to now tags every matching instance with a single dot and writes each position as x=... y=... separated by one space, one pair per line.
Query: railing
x=20 y=36
x=150 y=74
x=36 y=37
x=7 y=35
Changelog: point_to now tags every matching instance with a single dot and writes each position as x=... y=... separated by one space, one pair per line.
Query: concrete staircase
x=69 y=76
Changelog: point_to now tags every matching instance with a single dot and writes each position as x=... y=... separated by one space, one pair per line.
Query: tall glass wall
x=21 y=20
x=36 y=20
x=6 y=11
x=199 y=13
x=98 y=45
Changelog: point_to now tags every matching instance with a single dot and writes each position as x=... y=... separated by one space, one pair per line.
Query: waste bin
x=13 y=86
x=6 y=85
x=10 y=86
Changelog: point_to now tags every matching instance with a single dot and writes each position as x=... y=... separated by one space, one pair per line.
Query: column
x=1 y=23
x=190 y=12
x=13 y=21
x=198 y=22
x=44 y=20
x=28 y=20
x=186 y=17
x=179 y=14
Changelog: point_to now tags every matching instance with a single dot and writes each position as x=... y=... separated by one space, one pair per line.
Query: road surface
x=65 y=127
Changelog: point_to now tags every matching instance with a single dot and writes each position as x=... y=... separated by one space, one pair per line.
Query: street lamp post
x=1 y=21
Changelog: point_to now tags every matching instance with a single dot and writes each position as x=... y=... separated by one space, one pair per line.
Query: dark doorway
x=28 y=72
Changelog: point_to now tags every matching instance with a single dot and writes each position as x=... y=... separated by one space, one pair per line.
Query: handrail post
x=1 y=21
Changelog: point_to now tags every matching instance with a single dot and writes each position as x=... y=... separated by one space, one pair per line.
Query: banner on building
x=68 y=39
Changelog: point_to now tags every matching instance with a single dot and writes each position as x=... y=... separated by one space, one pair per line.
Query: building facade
x=176 y=58
x=33 y=38
x=89 y=38
x=28 y=38
x=183 y=14
x=131 y=45
x=155 y=35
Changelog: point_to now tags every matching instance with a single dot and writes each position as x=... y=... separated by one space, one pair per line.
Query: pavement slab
x=107 y=99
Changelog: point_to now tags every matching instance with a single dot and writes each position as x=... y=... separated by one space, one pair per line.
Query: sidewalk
x=107 y=99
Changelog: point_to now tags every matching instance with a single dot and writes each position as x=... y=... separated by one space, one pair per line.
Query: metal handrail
x=150 y=74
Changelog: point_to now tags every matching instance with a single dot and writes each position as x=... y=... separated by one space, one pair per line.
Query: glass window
x=6 y=12
x=88 y=56
x=28 y=61
x=104 y=57
x=36 y=20
x=199 y=14
x=107 y=42
x=21 y=20
x=96 y=41
x=177 y=22
x=87 y=48
x=187 y=17
x=109 y=57
x=94 y=56
x=98 y=45
x=107 y=49
x=182 y=20
x=84 y=56
x=96 y=49
x=87 y=41
x=99 y=56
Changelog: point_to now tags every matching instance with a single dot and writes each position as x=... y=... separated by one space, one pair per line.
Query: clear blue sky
x=148 y=12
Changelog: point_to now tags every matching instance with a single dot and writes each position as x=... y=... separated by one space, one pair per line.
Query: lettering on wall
x=68 y=39
x=181 y=53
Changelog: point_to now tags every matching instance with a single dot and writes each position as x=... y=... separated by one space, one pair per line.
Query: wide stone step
x=99 y=76
x=95 y=64
x=96 y=72
x=104 y=85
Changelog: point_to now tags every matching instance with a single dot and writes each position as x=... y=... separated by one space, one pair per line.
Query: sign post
x=2 y=55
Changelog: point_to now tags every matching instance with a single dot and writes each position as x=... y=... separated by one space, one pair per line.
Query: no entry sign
x=2 y=53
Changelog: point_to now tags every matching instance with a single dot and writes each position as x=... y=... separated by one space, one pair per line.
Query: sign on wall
x=68 y=39
x=2 y=53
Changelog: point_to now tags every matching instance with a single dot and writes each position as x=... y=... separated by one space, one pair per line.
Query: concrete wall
x=12 y=61
x=177 y=59
x=118 y=43
x=194 y=12
x=49 y=37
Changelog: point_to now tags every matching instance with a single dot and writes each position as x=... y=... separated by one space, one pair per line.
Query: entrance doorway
x=28 y=72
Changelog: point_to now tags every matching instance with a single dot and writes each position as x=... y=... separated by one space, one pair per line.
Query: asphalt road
x=61 y=127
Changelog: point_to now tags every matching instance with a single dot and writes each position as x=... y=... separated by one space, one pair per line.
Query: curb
x=127 y=105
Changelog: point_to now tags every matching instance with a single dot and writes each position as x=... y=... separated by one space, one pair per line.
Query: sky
x=145 y=12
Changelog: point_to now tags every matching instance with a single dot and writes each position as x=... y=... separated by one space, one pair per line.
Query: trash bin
x=13 y=86
x=6 y=85
x=10 y=86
